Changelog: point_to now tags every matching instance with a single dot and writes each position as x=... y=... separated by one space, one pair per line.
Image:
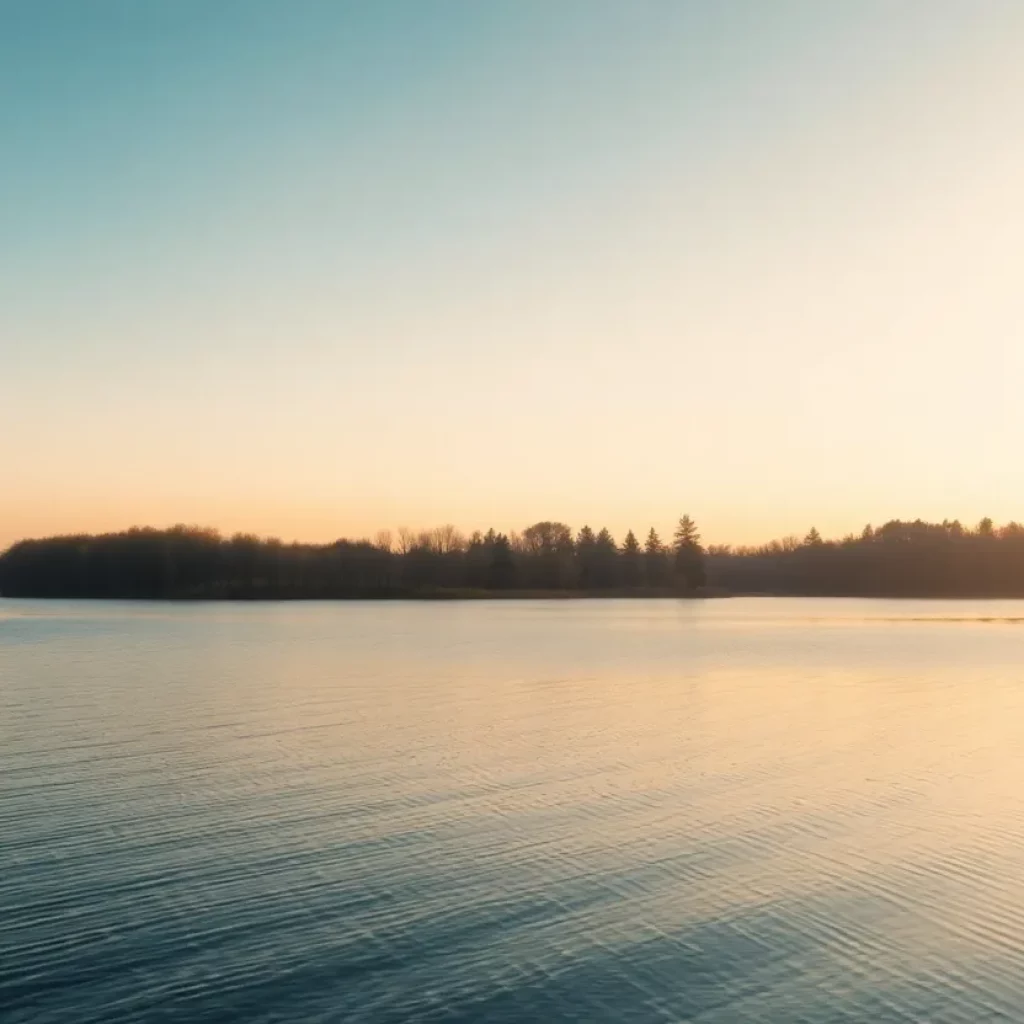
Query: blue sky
x=314 y=268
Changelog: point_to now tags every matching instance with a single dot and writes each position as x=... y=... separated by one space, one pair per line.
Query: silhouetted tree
x=605 y=564
x=689 y=554
x=502 y=570
x=655 y=560
x=548 y=549
x=630 y=557
x=478 y=559
x=585 y=557
x=446 y=540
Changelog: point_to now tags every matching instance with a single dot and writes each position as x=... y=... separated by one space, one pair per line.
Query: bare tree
x=446 y=540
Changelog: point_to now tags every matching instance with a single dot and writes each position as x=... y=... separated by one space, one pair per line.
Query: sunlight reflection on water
x=747 y=809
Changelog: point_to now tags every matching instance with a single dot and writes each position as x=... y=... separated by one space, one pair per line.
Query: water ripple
x=756 y=811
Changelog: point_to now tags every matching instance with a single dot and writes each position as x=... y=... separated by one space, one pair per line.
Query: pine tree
x=630 y=560
x=686 y=535
x=655 y=562
x=689 y=554
x=653 y=545
x=502 y=568
x=605 y=559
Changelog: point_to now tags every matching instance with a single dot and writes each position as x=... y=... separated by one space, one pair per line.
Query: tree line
x=194 y=562
x=899 y=559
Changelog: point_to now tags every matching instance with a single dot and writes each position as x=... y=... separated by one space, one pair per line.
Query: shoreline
x=456 y=594
x=438 y=594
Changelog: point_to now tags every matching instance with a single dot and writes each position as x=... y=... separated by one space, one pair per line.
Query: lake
x=769 y=810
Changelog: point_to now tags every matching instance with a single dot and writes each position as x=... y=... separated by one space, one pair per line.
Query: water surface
x=748 y=810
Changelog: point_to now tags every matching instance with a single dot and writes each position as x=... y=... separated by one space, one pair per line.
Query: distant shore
x=426 y=594
x=472 y=594
x=546 y=561
x=458 y=594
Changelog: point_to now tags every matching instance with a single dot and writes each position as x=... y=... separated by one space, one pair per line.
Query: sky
x=310 y=269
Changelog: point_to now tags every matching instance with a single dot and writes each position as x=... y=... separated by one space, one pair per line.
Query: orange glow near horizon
x=603 y=270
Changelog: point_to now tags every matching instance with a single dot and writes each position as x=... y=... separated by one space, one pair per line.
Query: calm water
x=746 y=810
